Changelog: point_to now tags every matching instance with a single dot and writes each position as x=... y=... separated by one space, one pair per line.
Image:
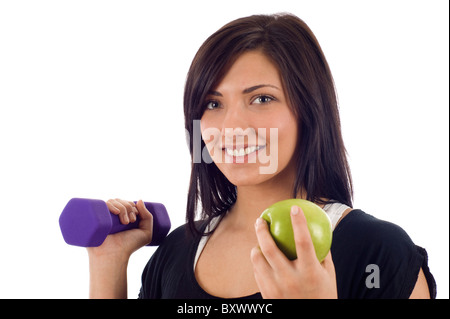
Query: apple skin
x=280 y=226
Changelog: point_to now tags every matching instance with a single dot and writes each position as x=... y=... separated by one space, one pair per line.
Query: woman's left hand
x=304 y=277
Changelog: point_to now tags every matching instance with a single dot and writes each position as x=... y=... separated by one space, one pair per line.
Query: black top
x=372 y=259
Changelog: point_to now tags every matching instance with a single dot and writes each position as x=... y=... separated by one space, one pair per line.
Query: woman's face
x=248 y=127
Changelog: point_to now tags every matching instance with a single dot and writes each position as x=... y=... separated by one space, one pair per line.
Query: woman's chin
x=247 y=176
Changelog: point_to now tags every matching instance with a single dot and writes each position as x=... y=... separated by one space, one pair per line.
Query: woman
x=261 y=93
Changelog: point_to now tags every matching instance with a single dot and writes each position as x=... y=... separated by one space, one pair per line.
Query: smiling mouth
x=242 y=151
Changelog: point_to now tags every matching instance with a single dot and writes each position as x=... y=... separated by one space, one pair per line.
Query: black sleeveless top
x=372 y=259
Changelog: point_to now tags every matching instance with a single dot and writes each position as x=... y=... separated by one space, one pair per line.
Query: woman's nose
x=237 y=128
x=235 y=117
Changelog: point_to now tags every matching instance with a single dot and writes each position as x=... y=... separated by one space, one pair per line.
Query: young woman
x=261 y=94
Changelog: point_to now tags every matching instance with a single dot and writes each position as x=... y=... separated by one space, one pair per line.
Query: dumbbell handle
x=118 y=227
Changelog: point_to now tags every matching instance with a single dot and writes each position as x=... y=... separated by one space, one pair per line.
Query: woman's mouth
x=242 y=154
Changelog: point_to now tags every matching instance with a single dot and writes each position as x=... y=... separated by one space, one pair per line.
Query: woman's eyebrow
x=253 y=88
x=215 y=93
x=247 y=90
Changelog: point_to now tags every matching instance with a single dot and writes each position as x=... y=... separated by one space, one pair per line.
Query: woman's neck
x=252 y=200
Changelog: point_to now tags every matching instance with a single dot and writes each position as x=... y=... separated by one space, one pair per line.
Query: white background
x=91 y=106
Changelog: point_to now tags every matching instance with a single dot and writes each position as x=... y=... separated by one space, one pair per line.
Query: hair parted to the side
x=323 y=173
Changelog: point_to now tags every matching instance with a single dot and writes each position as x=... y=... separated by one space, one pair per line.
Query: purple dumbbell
x=86 y=222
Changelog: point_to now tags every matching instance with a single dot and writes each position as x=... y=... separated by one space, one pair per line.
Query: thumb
x=143 y=211
x=146 y=222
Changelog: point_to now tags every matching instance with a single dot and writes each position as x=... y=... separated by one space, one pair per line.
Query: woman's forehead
x=250 y=69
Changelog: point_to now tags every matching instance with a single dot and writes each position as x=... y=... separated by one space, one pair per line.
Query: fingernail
x=294 y=210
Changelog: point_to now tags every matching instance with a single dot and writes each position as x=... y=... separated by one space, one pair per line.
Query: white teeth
x=242 y=151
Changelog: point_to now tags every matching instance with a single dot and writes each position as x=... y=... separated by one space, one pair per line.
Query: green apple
x=279 y=219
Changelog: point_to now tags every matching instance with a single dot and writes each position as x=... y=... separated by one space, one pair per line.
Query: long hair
x=322 y=171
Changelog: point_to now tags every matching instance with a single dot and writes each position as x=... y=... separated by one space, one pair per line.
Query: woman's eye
x=211 y=105
x=263 y=99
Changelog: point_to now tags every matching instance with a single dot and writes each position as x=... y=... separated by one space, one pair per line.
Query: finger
x=131 y=209
x=112 y=208
x=303 y=242
x=275 y=258
x=261 y=270
x=143 y=211
x=260 y=264
x=146 y=222
x=130 y=206
x=123 y=214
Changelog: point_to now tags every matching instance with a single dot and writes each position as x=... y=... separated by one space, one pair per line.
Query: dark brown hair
x=322 y=168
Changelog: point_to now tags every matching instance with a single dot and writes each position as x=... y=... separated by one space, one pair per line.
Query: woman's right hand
x=123 y=244
x=108 y=262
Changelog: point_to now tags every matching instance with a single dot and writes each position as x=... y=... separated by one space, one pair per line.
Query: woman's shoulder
x=182 y=235
x=176 y=247
x=171 y=260
x=359 y=224
x=366 y=234
x=364 y=245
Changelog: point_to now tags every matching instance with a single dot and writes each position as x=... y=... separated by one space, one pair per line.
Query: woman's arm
x=108 y=262
x=108 y=278
x=421 y=290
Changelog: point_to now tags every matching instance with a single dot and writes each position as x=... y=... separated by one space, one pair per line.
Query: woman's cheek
x=212 y=138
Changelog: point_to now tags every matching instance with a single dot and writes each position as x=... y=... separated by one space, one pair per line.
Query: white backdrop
x=91 y=106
